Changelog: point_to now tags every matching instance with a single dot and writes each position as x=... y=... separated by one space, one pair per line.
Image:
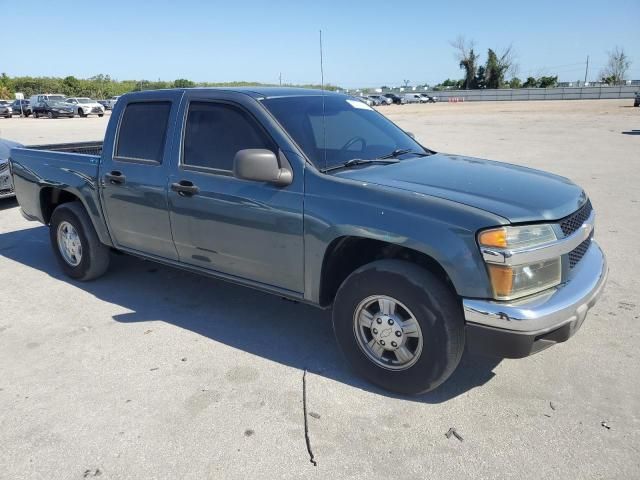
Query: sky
x=370 y=43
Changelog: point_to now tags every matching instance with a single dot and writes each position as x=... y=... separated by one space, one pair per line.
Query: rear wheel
x=51 y=115
x=76 y=244
x=399 y=326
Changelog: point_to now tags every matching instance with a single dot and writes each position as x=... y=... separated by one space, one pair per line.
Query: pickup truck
x=316 y=197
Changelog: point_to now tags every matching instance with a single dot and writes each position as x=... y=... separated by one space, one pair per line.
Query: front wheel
x=101 y=114
x=51 y=115
x=76 y=243
x=399 y=326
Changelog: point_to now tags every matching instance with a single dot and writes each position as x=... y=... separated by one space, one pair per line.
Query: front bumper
x=520 y=328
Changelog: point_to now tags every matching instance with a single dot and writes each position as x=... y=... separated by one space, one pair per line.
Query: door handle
x=185 y=188
x=115 y=178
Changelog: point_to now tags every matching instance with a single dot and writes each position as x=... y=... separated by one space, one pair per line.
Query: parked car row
x=375 y=100
x=52 y=106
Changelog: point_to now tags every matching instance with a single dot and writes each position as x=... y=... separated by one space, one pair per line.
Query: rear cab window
x=142 y=132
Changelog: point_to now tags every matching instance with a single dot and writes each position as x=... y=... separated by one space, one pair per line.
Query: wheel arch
x=347 y=253
x=51 y=197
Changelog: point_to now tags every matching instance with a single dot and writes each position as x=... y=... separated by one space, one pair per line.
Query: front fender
x=442 y=229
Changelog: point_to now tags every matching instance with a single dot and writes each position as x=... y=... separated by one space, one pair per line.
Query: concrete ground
x=153 y=373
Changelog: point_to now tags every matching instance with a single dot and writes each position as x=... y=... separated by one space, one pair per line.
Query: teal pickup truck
x=317 y=197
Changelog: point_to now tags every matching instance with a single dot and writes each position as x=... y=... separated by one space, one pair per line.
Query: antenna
x=321 y=65
x=324 y=129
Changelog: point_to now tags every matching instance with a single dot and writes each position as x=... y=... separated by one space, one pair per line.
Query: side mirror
x=260 y=166
x=410 y=134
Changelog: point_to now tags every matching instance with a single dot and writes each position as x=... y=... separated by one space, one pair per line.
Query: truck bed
x=84 y=148
x=69 y=166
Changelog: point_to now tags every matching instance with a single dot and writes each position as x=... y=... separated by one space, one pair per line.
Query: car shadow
x=287 y=332
x=631 y=132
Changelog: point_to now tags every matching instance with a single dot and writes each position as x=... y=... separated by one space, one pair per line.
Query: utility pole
x=586 y=71
x=280 y=78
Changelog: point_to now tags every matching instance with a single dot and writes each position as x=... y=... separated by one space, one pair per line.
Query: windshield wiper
x=359 y=161
x=401 y=151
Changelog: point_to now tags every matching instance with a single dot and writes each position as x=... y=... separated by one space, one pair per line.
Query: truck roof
x=256 y=92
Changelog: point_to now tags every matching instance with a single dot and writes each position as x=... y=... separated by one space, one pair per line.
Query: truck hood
x=518 y=194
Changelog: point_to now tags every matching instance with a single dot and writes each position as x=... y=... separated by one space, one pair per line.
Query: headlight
x=516 y=238
x=520 y=280
x=514 y=281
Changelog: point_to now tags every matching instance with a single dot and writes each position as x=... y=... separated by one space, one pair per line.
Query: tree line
x=499 y=66
x=103 y=86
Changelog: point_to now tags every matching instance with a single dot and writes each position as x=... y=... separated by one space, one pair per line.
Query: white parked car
x=85 y=106
x=413 y=98
x=112 y=101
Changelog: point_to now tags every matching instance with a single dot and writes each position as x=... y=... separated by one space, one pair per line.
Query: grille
x=577 y=253
x=574 y=221
x=4 y=166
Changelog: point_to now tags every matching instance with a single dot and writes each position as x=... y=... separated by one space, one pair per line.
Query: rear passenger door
x=134 y=175
x=246 y=229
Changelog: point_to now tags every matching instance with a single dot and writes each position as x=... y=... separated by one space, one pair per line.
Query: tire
x=440 y=338
x=81 y=113
x=92 y=257
x=101 y=115
x=36 y=115
x=51 y=115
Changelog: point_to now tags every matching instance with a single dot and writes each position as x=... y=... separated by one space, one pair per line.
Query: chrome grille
x=577 y=253
x=570 y=225
x=574 y=221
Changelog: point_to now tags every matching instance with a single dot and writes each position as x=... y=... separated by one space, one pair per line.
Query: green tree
x=530 y=83
x=480 y=81
x=468 y=60
x=547 y=82
x=515 y=82
x=71 y=86
x=183 y=83
x=5 y=93
x=497 y=67
x=618 y=63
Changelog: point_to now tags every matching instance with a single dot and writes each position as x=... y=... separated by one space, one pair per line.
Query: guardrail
x=520 y=94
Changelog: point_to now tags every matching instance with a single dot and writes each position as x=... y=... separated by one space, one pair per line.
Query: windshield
x=351 y=129
x=84 y=100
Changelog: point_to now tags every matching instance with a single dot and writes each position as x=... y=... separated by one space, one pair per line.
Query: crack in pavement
x=306 y=422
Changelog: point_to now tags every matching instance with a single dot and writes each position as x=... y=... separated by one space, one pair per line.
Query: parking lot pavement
x=37 y=131
x=150 y=372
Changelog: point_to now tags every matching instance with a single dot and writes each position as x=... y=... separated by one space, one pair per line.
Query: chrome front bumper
x=531 y=324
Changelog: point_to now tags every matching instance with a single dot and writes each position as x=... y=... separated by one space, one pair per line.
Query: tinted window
x=143 y=130
x=215 y=132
